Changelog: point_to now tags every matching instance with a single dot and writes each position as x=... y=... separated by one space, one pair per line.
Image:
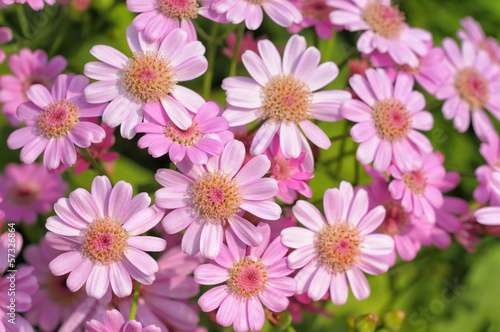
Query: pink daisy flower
x=206 y=199
x=34 y=4
x=29 y=190
x=29 y=68
x=164 y=303
x=113 y=321
x=5 y=36
x=490 y=150
x=290 y=82
x=384 y=29
x=473 y=33
x=252 y=275
x=150 y=76
x=387 y=117
x=99 y=232
x=418 y=190
x=315 y=13
x=205 y=137
x=55 y=122
x=342 y=245
x=471 y=88
x=282 y=12
x=291 y=173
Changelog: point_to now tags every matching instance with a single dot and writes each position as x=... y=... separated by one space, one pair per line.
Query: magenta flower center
x=282 y=170
x=416 y=181
x=316 y=9
x=32 y=80
x=386 y=21
x=104 y=241
x=395 y=219
x=339 y=246
x=392 y=119
x=472 y=87
x=60 y=293
x=149 y=77
x=247 y=277
x=181 y=9
x=24 y=194
x=184 y=137
x=286 y=98
x=58 y=118
x=216 y=196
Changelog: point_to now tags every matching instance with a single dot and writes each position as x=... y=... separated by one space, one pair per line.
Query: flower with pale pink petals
x=113 y=321
x=56 y=122
x=29 y=68
x=100 y=234
x=384 y=29
x=490 y=150
x=252 y=276
x=342 y=245
x=471 y=88
x=34 y=4
x=474 y=34
x=206 y=136
x=315 y=13
x=5 y=36
x=29 y=190
x=206 y=199
x=151 y=76
x=281 y=93
x=387 y=116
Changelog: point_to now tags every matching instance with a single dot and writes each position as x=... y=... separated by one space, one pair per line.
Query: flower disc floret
x=104 y=241
x=392 y=119
x=184 y=137
x=286 y=98
x=216 y=196
x=472 y=87
x=58 y=118
x=247 y=277
x=339 y=246
x=384 y=20
x=149 y=76
x=416 y=181
x=182 y=9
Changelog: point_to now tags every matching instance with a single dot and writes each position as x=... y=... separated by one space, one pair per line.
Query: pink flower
x=206 y=199
x=489 y=215
x=474 y=34
x=247 y=43
x=29 y=68
x=315 y=13
x=29 y=190
x=387 y=117
x=384 y=29
x=113 y=321
x=165 y=302
x=282 y=12
x=150 y=76
x=342 y=245
x=275 y=83
x=418 y=190
x=56 y=122
x=490 y=150
x=471 y=88
x=99 y=232
x=291 y=173
x=5 y=36
x=205 y=137
x=252 y=275
x=34 y=4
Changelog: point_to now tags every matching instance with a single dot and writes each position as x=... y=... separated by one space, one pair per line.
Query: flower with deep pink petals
x=29 y=190
x=252 y=276
x=206 y=136
x=151 y=76
x=473 y=33
x=387 y=117
x=384 y=29
x=490 y=150
x=281 y=93
x=113 y=321
x=205 y=199
x=342 y=245
x=100 y=234
x=29 y=68
x=5 y=36
x=56 y=122
x=34 y=4
x=247 y=43
x=315 y=13
x=471 y=88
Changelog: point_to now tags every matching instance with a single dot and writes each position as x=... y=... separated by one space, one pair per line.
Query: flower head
x=474 y=34
x=113 y=321
x=315 y=13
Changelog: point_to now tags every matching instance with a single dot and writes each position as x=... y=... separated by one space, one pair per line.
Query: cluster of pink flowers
x=217 y=200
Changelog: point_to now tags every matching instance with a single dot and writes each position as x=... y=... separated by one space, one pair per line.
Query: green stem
x=290 y=329
x=339 y=137
x=133 y=310
x=347 y=58
x=95 y=164
x=23 y=21
x=236 y=49
x=200 y=31
x=327 y=49
x=212 y=48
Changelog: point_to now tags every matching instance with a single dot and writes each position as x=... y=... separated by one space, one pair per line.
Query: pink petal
x=359 y=285
x=245 y=231
x=213 y=298
x=120 y=279
x=309 y=216
x=98 y=281
x=210 y=274
x=211 y=240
